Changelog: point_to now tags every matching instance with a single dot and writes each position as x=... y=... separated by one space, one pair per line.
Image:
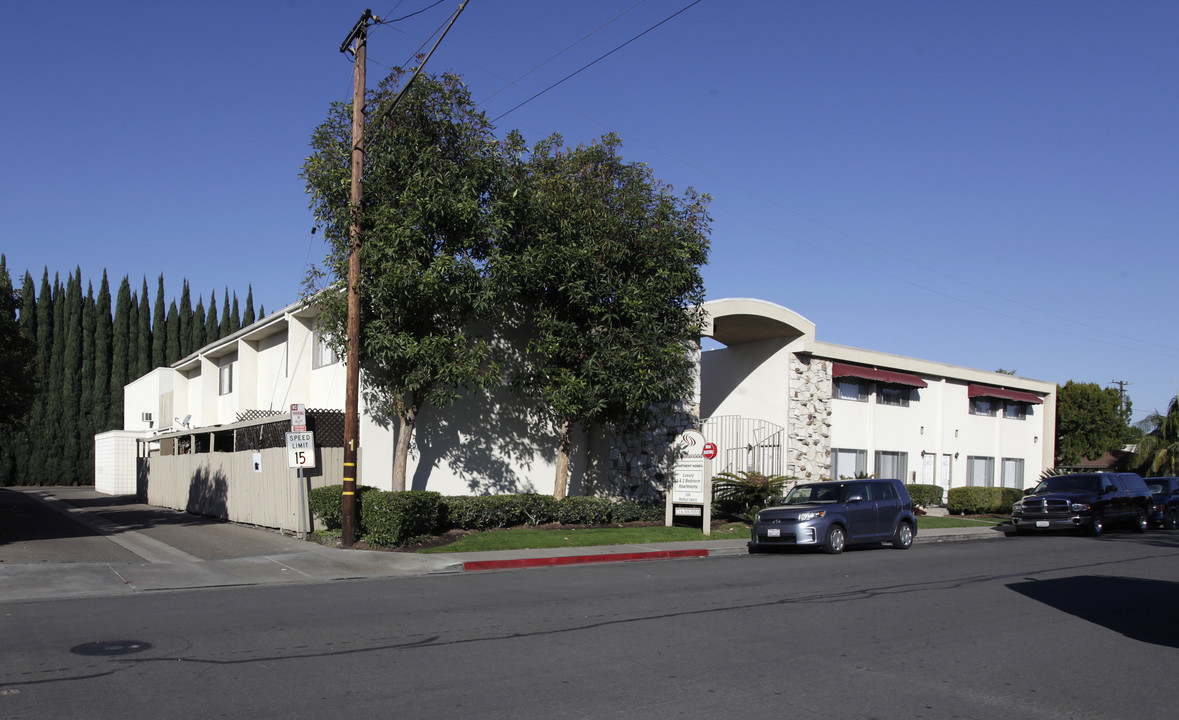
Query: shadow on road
x=1102 y=600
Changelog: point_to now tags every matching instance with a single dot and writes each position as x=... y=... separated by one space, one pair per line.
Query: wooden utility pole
x=358 y=38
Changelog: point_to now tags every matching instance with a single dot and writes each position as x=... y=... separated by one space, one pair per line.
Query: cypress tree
x=51 y=435
x=261 y=311
x=71 y=382
x=20 y=443
x=172 y=329
x=248 y=319
x=212 y=329
x=103 y=332
x=18 y=386
x=159 y=336
x=235 y=320
x=120 y=346
x=144 y=345
x=86 y=402
x=38 y=425
x=185 y=328
x=198 y=325
x=132 y=337
x=224 y=330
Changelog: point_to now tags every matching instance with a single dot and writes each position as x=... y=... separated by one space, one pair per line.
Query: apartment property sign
x=688 y=470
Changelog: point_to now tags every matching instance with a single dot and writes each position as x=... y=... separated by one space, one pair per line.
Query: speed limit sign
x=301 y=450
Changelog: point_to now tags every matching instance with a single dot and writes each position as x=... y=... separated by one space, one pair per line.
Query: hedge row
x=925 y=495
x=389 y=519
x=982 y=500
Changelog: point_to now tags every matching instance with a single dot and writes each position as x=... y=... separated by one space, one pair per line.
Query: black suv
x=1165 y=510
x=1086 y=501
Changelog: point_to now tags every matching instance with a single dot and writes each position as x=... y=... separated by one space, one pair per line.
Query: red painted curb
x=580 y=559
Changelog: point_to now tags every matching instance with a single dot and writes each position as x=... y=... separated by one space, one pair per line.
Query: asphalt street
x=1037 y=628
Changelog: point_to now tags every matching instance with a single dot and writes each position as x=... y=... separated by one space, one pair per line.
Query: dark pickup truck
x=1086 y=501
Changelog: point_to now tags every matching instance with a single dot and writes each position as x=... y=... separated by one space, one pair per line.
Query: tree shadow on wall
x=208 y=494
x=492 y=441
x=1102 y=600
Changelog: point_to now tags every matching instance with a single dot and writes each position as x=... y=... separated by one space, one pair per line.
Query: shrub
x=925 y=495
x=486 y=512
x=976 y=500
x=748 y=490
x=585 y=511
x=327 y=504
x=636 y=510
x=1009 y=497
x=394 y=518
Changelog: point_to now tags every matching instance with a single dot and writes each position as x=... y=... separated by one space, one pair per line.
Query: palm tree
x=1158 y=450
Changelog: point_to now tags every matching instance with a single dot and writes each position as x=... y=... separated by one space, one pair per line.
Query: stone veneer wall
x=809 y=427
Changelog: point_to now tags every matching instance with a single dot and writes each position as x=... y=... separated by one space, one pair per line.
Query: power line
x=595 y=62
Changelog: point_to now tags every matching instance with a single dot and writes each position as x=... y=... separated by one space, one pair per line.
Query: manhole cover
x=111 y=647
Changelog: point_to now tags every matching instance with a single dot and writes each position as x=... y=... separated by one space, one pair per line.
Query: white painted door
x=927 y=468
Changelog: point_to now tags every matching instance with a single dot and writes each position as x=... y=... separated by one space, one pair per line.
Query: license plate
x=774 y=532
x=1041 y=523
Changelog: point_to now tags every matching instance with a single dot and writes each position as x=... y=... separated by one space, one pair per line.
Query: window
x=324 y=354
x=846 y=389
x=984 y=406
x=980 y=471
x=896 y=395
x=1015 y=410
x=849 y=463
x=892 y=464
x=225 y=379
x=1013 y=473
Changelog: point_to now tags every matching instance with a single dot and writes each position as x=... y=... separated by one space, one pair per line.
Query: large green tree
x=18 y=354
x=1158 y=450
x=602 y=262
x=432 y=168
x=1090 y=421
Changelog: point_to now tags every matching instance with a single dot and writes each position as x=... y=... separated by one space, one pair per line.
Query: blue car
x=832 y=515
x=1164 y=509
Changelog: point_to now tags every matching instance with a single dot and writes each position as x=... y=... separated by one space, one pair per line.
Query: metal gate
x=746 y=444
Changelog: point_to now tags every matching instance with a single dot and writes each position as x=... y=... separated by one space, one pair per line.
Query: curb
x=477 y=565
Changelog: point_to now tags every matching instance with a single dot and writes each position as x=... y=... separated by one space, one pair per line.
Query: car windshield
x=1069 y=483
x=821 y=493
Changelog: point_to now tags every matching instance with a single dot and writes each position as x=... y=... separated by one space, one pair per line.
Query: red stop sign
x=710 y=450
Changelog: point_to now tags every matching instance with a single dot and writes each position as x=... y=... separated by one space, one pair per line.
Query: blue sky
x=988 y=184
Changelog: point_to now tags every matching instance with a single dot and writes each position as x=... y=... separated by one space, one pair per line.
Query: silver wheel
x=902 y=539
x=1140 y=521
x=836 y=539
x=1172 y=520
x=1097 y=523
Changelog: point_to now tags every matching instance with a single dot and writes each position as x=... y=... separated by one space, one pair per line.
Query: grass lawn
x=528 y=538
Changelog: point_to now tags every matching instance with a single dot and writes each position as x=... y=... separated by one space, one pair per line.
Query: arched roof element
x=736 y=321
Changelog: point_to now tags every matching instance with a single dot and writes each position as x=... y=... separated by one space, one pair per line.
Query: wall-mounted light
x=955 y=456
x=1036 y=439
x=955 y=433
x=922 y=429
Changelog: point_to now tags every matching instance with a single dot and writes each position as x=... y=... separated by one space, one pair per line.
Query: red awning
x=1003 y=393
x=839 y=369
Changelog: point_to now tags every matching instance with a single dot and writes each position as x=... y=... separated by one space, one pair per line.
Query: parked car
x=1164 y=512
x=1085 y=502
x=833 y=515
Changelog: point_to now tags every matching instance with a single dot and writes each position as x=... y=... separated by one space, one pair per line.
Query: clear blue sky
x=989 y=184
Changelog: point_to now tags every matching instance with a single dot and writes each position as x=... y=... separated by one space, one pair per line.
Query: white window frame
x=839 y=384
x=1015 y=410
x=225 y=379
x=860 y=463
x=323 y=354
x=987 y=467
x=1013 y=473
x=902 y=393
x=976 y=409
x=900 y=460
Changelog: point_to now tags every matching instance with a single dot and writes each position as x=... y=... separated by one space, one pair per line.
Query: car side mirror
x=855 y=498
x=1029 y=491
x=1109 y=489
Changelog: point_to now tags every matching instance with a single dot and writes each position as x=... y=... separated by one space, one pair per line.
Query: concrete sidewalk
x=160 y=549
